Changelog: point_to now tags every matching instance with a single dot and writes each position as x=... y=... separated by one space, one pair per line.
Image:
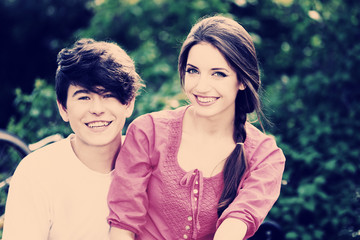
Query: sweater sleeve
x=127 y=198
x=27 y=208
x=260 y=187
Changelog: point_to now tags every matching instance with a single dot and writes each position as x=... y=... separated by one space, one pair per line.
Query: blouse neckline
x=177 y=141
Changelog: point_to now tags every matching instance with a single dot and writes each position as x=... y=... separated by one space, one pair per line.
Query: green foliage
x=39 y=115
x=316 y=113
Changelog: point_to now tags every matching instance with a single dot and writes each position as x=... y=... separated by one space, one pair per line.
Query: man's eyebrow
x=81 y=91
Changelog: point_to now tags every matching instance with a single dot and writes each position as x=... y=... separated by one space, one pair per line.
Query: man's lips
x=96 y=124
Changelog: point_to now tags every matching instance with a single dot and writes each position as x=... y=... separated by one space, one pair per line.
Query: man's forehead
x=94 y=89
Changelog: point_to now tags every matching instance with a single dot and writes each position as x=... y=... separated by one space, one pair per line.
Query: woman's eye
x=191 y=71
x=219 y=74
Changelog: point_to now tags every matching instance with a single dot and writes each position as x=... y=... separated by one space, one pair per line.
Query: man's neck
x=97 y=158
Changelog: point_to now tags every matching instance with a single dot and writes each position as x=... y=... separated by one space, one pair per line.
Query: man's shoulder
x=45 y=157
x=57 y=148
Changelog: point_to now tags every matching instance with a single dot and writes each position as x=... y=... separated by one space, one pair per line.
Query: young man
x=60 y=191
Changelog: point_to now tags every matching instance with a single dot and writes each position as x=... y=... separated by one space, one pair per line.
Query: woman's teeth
x=206 y=99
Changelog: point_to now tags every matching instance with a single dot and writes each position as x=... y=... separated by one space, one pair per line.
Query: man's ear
x=130 y=108
x=62 y=111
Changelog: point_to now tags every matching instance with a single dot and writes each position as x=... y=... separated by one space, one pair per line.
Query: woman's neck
x=219 y=126
x=205 y=143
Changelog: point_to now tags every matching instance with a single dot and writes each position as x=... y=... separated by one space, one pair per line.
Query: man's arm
x=27 y=213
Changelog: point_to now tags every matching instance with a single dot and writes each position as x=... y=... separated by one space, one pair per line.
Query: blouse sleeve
x=127 y=198
x=260 y=187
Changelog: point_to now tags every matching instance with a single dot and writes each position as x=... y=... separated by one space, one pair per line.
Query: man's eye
x=84 y=98
x=109 y=95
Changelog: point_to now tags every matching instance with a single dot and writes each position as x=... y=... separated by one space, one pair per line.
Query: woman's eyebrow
x=220 y=68
x=190 y=65
x=213 y=69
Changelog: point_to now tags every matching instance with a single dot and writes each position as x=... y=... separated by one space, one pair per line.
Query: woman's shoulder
x=163 y=116
x=254 y=132
x=255 y=137
x=169 y=114
x=157 y=127
x=259 y=145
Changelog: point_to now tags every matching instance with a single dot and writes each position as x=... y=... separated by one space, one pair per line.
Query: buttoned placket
x=194 y=180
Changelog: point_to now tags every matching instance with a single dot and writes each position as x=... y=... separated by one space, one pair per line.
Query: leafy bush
x=38 y=115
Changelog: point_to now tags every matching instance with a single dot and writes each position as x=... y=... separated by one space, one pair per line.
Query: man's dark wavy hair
x=99 y=67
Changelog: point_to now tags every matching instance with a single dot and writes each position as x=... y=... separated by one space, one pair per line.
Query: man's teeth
x=98 y=124
x=206 y=99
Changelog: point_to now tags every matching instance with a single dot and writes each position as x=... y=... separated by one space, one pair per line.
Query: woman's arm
x=260 y=187
x=127 y=197
x=231 y=228
x=121 y=234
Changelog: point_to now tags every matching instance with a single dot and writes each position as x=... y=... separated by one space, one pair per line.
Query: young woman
x=200 y=171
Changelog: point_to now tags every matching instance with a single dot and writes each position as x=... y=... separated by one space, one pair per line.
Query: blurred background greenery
x=309 y=52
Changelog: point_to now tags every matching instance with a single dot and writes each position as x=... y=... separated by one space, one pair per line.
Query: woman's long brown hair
x=236 y=45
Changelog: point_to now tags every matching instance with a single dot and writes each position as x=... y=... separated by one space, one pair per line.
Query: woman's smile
x=205 y=100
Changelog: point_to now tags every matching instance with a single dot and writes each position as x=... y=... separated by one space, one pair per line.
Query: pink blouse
x=152 y=196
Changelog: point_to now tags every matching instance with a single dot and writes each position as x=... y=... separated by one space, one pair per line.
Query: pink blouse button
x=189 y=218
x=195 y=191
x=187 y=227
x=185 y=236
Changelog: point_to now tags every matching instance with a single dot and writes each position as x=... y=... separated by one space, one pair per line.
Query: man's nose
x=96 y=106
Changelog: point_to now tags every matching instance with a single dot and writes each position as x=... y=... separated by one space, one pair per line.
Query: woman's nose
x=202 y=83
